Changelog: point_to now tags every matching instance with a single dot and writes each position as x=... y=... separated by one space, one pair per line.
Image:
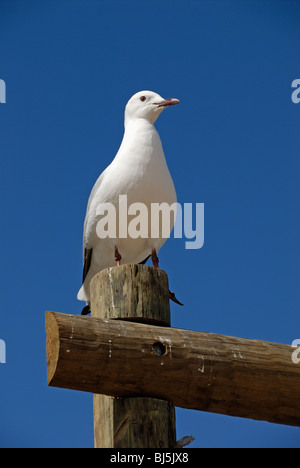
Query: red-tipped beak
x=168 y=102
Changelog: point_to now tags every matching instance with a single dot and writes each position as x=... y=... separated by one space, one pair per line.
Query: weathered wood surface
x=203 y=371
x=133 y=423
x=135 y=293
x=131 y=292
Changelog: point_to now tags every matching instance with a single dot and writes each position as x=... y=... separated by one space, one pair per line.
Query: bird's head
x=147 y=105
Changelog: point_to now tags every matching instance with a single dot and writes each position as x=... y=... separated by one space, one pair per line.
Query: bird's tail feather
x=81 y=294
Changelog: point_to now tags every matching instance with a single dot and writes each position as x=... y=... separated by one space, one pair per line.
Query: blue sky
x=232 y=144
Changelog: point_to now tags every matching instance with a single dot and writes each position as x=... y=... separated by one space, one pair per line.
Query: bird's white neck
x=141 y=141
x=137 y=125
x=140 y=132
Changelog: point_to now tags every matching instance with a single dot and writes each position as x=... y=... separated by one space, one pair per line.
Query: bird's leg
x=154 y=258
x=118 y=257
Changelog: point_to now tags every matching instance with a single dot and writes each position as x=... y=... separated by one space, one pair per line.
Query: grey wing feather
x=86 y=262
x=87 y=252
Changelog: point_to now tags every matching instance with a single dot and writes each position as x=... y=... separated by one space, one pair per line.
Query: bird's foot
x=118 y=257
x=174 y=298
x=154 y=257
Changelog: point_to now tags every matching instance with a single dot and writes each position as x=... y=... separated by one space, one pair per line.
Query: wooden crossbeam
x=203 y=371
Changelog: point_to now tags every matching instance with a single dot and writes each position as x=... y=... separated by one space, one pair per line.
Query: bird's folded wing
x=90 y=218
x=89 y=223
x=87 y=260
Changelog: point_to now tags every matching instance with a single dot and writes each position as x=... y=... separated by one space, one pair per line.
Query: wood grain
x=138 y=293
x=203 y=371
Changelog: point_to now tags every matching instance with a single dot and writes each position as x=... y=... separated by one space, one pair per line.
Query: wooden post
x=137 y=293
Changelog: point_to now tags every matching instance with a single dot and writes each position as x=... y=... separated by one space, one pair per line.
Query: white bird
x=139 y=170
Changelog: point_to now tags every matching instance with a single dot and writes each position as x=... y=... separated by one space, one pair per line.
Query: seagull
x=139 y=171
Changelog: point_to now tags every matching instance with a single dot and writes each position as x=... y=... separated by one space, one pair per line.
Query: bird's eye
x=143 y=98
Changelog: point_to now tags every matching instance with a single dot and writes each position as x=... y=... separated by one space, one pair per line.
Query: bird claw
x=173 y=298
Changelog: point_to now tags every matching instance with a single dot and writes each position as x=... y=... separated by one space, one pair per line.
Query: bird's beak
x=167 y=102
